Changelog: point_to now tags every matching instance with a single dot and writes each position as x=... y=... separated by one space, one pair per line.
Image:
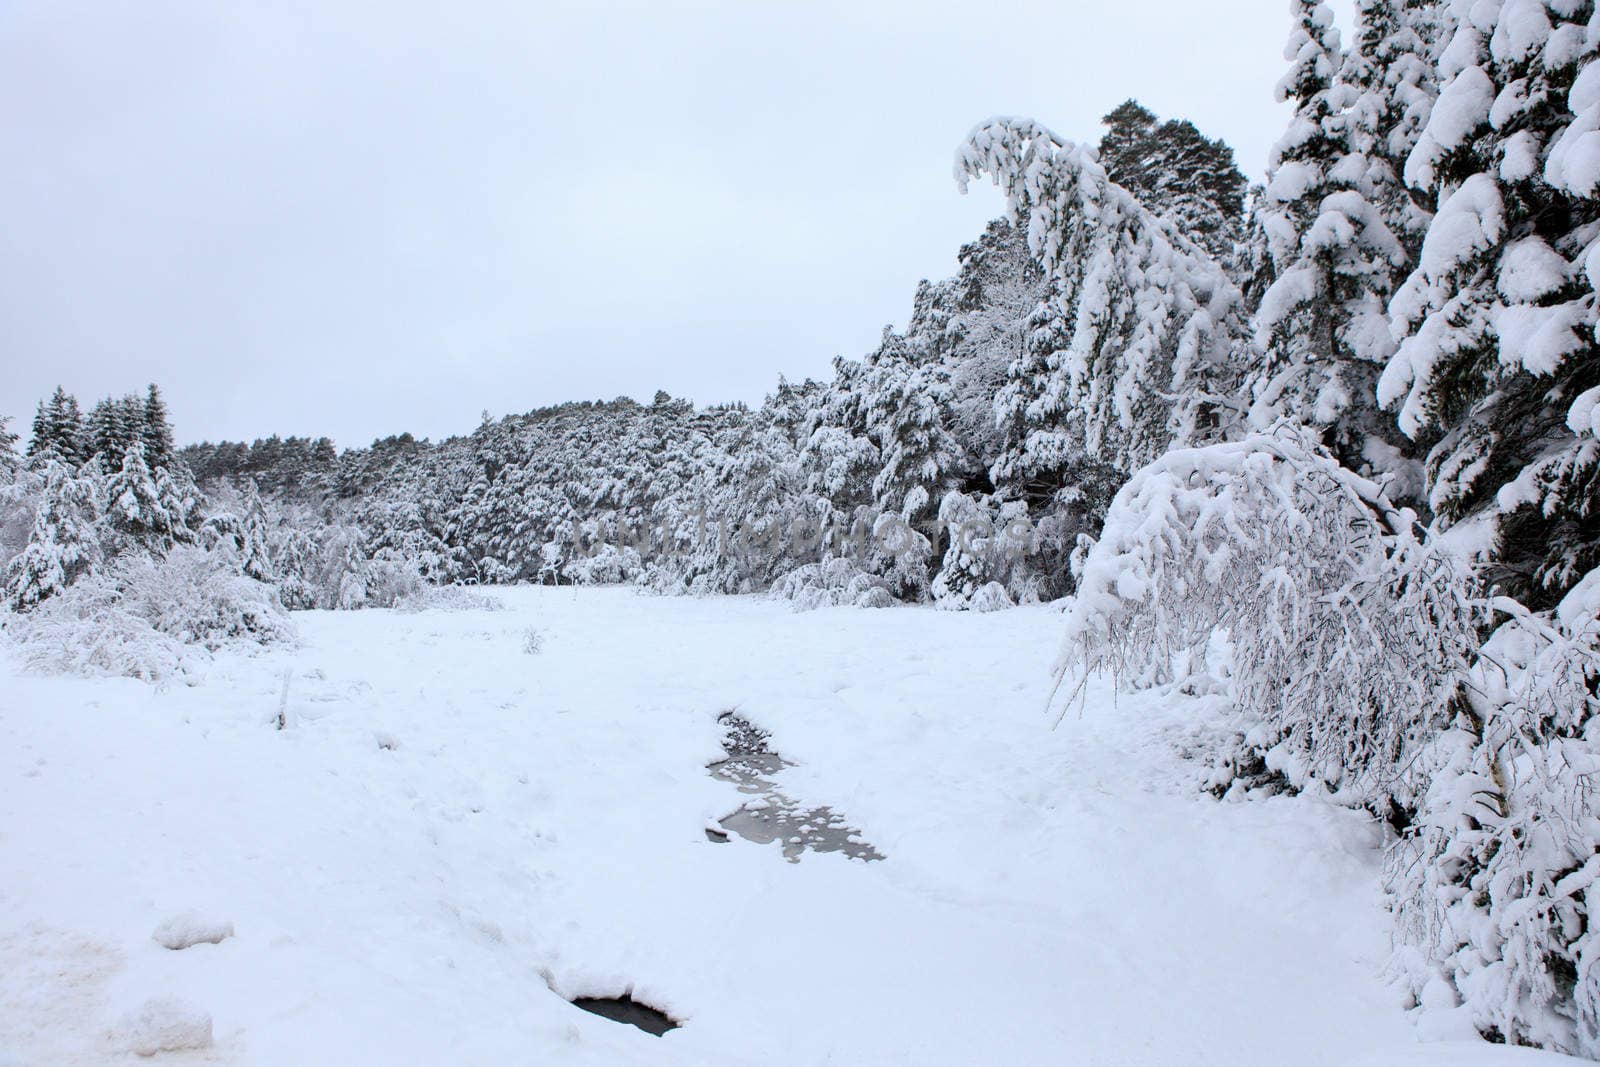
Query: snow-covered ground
x=453 y=834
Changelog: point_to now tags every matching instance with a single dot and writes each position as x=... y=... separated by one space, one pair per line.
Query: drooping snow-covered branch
x=1349 y=636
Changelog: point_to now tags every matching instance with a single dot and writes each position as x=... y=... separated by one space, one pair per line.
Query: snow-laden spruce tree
x=155 y=429
x=1497 y=373
x=255 y=558
x=1350 y=636
x=66 y=540
x=295 y=560
x=1135 y=344
x=1340 y=227
x=735 y=517
x=58 y=430
x=138 y=514
x=9 y=460
x=113 y=426
x=976 y=324
x=886 y=416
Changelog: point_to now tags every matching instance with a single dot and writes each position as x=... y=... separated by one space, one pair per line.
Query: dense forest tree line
x=1346 y=424
x=859 y=470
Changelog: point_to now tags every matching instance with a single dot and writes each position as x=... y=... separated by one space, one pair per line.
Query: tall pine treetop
x=156 y=429
x=1177 y=172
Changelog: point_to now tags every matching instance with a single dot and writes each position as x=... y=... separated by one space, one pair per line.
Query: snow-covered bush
x=87 y=631
x=379 y=583
x=832 y=583
x=1350 y=638
x=148 y=617
x=607 y=564
x=533 y=640
x=991 y=596
x=446 y=598
x=888 y=546
x=985 y=545
x=200 y=598
x=1495 y=883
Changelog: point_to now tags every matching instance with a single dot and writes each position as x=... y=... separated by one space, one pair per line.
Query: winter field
x=452 y=835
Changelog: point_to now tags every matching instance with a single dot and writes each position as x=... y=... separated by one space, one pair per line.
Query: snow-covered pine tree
x=58 y=429
x=136 y=511
x=1497 y=374
x=839 y=457
x=156 y=429
x=1337 y=222
x=9 y=459
x=1178 y=173
x=905 y=407
x=65 y=541
x=1135 y=345
x=294 y=560
x=978 y=327
x=112 y=426
x=255 y=559
x=182 y=500
x=105 y=432
x=1393 y=73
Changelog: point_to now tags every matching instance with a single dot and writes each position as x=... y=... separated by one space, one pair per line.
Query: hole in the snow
x=769 y=815
x=625 y=1009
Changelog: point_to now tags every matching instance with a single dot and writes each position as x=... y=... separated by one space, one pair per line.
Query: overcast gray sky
x=361 y=218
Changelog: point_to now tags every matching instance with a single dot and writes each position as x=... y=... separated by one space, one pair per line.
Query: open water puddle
x=769 y=815
x=625 y=1009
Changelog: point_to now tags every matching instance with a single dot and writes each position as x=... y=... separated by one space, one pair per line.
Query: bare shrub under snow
x=1495 y=883
x=1349 y=637
x=150 y=618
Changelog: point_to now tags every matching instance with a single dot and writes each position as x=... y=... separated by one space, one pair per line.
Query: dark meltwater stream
x=770 y=815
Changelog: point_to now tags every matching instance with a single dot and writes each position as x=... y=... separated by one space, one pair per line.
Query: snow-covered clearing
x=449 y=827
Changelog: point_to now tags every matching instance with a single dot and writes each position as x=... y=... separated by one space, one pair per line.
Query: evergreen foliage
x=1178 y=173
x=58 y=429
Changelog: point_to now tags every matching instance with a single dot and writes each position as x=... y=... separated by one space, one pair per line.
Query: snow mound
x=189 y=929
x=163 y=1024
